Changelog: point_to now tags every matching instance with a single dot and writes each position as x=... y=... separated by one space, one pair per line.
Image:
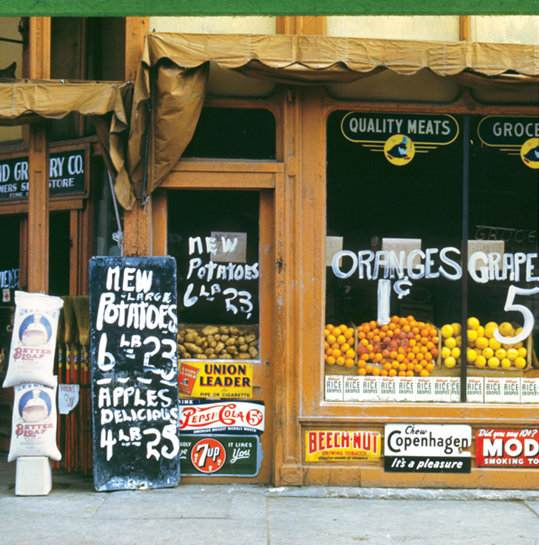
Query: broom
x=81 y=307
x=60 y=371
x=69 y=335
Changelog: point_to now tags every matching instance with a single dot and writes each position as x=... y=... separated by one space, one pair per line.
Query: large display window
x=403 y=193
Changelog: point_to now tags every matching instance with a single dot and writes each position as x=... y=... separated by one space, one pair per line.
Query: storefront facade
x=350 y=171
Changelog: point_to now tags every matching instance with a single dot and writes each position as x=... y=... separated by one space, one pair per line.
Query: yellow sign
x=226 y=380
x=329 y=446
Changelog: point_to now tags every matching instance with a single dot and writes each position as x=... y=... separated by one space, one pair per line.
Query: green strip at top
x=125 y=8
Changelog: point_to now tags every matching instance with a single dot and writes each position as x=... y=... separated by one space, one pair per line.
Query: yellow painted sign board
x=225 y=380
x=338 y=445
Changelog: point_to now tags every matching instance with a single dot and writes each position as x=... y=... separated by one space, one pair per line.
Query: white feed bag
x=33 y=343
x=34 y=422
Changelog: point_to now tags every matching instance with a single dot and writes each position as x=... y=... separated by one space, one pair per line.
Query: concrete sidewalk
x=73 y=513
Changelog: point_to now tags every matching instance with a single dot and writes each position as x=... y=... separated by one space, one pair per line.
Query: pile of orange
x=339 y=345
x=405 y=347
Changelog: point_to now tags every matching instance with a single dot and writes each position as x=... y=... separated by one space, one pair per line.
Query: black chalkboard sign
x=133 y=349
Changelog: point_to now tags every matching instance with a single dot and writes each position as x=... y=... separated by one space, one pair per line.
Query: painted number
x=244 y=300
x=169 y=432
x=529 y=319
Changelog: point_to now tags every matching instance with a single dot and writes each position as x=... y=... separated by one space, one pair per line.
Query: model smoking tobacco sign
x=512 y=135
x=134 y=372
x=399 y=137
x=427 y=448
x=507 y=448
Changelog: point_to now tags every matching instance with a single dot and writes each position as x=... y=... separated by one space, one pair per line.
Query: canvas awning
x=174 y=69
x=27 y=101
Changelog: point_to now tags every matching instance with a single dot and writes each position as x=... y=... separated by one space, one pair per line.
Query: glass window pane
x=394 y=210
x=214 y=236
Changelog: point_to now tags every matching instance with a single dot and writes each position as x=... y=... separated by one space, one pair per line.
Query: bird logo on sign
x=529 y=153
x=399 y=149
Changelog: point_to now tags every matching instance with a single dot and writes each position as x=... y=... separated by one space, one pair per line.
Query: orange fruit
x=349 y=333
x=330 y=327
x=384 y=373
x=349 y=362
x=336 y=331
x=362 y=372
x=361 y=364
x=392 y=373
x=401 y=373
x=409 y=373
x=330 y=360
x=372 y=324
x=368 y=369
x=429 y=367
x=375 y=372
x=331 y=339
x=336 y=353
x=341 y=339
x=424 y=373
x=395 y=364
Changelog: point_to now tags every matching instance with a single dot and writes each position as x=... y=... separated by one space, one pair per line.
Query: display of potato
x=217 y=342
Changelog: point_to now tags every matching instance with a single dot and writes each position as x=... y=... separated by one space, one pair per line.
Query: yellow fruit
x=340 y=361
x=494 y=344
x=506 y=329
x=450 y=362
x=458 y=338
x=490 y=328
x=512 y=354
x=457 y=330
x=447 y=331
x=506 y=364
x=331 y=339
x=471 y=354
x=493 y=363
x=481 y=343
x=480 y=331
x=446 y=352
x=473 y=323
x=522 y=352
x=455 y=352
x=330 y=360
x=488 y=353
x=349 y=333
x=450 y=342
x=501 y=353
x=341 y=339
x=471 y=336
x=520 y=363
x=480 y=361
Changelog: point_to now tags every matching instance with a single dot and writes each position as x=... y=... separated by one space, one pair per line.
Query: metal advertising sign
x=67 y=175
x=399 y=136
x=205 y=416
x=227 y=380
x=427 y=448
x=333 y=445
x=507 y=448
x=512 y=135
x=220 y=455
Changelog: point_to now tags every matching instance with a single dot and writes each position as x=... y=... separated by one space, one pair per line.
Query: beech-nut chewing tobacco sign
x=338 y=445
x=134 y=372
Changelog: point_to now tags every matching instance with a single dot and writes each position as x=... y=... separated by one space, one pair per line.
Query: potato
x=202 y=357
x=210 y=330
x=209 y=351
x=193 y=348
x=244 y=348
x=219 y=347
x=230 y=342
x=217 y=337
x=241 y=340
x=253 y=351
x=244 y=356
x=232 y=350
x=181 y=349
x=250 y=338
x=225 y=356
x=191 y=337
x=234 y=331
x=223 y=330
x=225 y=338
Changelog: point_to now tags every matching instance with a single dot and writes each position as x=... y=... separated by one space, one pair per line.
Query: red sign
x=201 y=416
x=208 y=455
x=507 y=448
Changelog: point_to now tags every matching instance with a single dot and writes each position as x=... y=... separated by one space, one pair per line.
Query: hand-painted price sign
x=134 y=372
